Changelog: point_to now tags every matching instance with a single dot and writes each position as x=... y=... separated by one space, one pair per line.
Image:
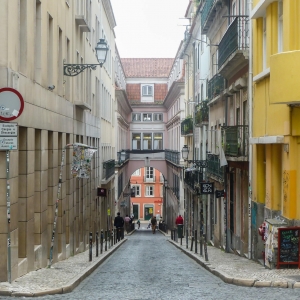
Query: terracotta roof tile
x=147 y=67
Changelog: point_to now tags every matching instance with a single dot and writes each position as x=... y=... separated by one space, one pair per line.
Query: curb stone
x=243 y=282
x=279 y=284
x=262 y=283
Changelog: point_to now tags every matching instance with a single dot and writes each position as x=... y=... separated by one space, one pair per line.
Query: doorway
x=135 y=211
x=148 y=212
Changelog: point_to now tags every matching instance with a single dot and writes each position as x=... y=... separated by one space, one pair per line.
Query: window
x=137 y=173
x=136 y=117
x=137 y=188
x=157 y=117
x=158 y=141
x=149 y=191
x=149 y=174
x=136 y=141
x=147 y=117
x=147 y=90
x=147 y=141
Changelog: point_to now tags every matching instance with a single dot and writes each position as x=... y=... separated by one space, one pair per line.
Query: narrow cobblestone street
x=147 y=266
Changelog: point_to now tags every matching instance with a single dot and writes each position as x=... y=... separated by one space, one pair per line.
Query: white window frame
x=149 y=191
x=158 y=117
x=149 y=171
x=143 y=144
x=147 y=90
x=136 y=117
x=132 y=140
x=147 y=117
x=137 y=188
x=158 y=139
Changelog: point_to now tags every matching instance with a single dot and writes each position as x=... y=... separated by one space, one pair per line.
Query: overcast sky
x=149 y=28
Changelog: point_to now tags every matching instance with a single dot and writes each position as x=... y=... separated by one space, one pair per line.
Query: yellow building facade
x=276 y=114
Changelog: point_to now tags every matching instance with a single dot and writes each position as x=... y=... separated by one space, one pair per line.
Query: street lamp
x=123 y=155
x=185 y=152
x=101 y=53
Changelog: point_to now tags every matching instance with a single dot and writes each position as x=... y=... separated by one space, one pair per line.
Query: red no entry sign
x=11 y=104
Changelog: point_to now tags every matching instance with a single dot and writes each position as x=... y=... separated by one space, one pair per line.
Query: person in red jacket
x=179 y=220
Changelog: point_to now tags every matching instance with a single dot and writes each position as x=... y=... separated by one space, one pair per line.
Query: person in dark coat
x=119 y=223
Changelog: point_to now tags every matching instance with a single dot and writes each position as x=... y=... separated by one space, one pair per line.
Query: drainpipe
x=250 y=86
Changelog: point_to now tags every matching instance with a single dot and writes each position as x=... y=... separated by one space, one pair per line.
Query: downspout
x=250 y=86
x=194 y=71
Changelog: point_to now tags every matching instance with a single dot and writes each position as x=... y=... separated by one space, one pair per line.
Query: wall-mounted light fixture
x=185 y=152
x=101 y=52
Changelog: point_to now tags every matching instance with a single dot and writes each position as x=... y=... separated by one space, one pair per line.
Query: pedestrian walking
x=138 y=223
x=153 y=223
x=119 y=223
x=127 y=223
x=179 y=220
x=179 y=224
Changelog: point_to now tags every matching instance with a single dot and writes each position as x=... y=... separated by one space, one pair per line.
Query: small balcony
x=172 y=156
x=208 y=13
x=108 y=168
x=236 y=140
x=192 y=178
x=149 y=178
x=201 y=114
x=213 y=167
x=234 y=47
x=187 y=126
x=215 y=86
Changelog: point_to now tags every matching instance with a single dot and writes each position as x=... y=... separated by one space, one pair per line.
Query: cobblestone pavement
x=144 y=267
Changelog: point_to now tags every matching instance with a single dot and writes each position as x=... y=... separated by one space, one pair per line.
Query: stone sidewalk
x=241 y=271
x=61 y=278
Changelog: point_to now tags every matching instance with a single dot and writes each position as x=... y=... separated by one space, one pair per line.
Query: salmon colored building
x=148 y=186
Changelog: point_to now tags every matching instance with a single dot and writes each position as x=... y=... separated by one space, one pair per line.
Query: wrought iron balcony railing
x=213 y=167
x=108 y=168
x=201 y=114
x=215 y=86
x=235 y=38
x=236 y=140
x=206 y=11
x=149 y=179
x=192 y=178
x=187 y=126
x=173 y=156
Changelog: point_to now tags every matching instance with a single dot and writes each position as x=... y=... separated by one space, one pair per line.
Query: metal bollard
x=101 y=242
x=115 y=236
x=205 y=248
x=195 y=235
x=105 y=237
x=97 y=244
x=91 y=246
x=108 y=238
x=192 y=244
x=112 y=238
x=187 y=239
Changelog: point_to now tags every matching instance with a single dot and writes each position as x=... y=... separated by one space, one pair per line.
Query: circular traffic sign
x=11 y=104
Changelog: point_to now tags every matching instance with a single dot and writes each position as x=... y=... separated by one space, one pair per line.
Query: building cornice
x=109 y=13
